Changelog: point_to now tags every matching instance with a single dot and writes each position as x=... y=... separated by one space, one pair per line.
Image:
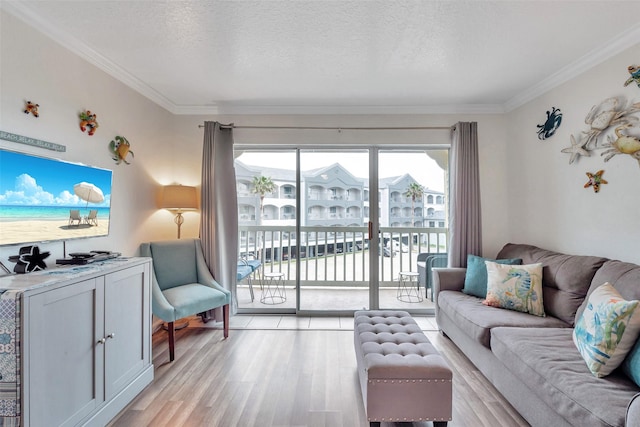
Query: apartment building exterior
x=332 y=196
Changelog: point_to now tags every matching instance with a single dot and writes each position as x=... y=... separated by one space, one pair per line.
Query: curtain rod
x=336 y=128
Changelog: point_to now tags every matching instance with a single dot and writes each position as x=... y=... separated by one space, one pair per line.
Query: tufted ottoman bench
x=402 y=376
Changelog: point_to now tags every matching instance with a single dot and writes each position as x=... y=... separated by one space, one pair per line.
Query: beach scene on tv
x=44 y=199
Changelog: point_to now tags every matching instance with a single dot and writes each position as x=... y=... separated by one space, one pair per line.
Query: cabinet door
x=65 y=359
x=127 y=327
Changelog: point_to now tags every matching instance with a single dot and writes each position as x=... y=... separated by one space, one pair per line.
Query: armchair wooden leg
x=171 y=331
x=225 y=315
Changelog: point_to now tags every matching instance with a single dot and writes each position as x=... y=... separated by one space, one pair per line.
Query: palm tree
x=415 y=191
x=262 y=185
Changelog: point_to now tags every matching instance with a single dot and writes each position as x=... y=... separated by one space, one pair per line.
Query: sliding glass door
x=334 y=187
x=338 y=230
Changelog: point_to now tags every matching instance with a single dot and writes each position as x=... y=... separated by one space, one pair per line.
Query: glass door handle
x=370 y=230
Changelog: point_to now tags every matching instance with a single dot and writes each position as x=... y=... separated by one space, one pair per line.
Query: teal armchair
x=182 y=284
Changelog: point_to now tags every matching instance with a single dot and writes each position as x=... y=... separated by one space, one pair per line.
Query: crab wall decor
x=549 y=127
x=610 y=112
x=88 y=121
x=623 y=144
x=120 y=147
x=32 y=108
x=595 y=180
x=634 y=70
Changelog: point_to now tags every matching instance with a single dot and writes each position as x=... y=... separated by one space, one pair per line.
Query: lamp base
x=179 y=220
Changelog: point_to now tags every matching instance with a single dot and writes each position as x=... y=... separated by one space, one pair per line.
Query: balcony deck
x=330 y=298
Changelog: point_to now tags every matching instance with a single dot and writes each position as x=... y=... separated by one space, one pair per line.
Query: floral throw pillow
x=515 y=287
x=606 y=330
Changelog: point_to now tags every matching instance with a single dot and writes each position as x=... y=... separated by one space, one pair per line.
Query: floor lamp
x=179 y=198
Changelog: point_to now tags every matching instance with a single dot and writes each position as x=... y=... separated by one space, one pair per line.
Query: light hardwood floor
x=286 y=374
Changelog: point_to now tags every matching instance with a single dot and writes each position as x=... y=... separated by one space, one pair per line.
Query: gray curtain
x=219 y=213
x=464 y=207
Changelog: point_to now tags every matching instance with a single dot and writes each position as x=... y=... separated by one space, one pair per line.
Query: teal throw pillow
x=475 y=281
x=631 y=365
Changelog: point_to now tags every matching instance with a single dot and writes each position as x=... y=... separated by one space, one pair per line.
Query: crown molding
x=24 y=13
x=596 y=56
x=231 y=108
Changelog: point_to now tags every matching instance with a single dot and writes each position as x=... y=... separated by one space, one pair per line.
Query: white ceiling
x=339 y=56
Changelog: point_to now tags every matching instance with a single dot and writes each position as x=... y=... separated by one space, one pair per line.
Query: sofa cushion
x=607 y=329
x=565 y=278
x=624 y=276
x=548 y=362
x=516 y=288
x=477 y=319
x=475 y=280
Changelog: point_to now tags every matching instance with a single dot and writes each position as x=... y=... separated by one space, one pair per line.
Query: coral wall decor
x=576 y=150
x=32 y=108
x=88 y=120
x=549 y=127
x=622 y=144
x=120 y=147
x=595 y=179
x=634 y=70
x=602 y=117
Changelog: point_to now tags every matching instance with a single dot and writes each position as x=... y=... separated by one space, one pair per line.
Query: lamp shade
x=179 y=197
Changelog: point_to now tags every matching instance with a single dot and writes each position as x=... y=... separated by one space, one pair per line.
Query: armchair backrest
x=174 y=261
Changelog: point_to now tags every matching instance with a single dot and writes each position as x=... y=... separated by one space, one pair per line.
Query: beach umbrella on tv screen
x=88 y=192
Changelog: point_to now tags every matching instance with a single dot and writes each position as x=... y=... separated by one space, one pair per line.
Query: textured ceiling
x=338 y=56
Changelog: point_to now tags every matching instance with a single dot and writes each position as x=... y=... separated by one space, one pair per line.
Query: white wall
x=547 y=203
x=33 y=67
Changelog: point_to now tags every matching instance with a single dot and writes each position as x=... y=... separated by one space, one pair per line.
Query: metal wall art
x=610 y=113
x=88 y=120
x=549 y=127
x=32 y=108
x=120 y=147
x=595 y=180
x=634 y=70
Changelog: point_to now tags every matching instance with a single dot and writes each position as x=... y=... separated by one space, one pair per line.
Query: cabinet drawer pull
x=111 y=335
x=101 y=341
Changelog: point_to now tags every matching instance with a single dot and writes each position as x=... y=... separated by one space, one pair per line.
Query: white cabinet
x=86 y=344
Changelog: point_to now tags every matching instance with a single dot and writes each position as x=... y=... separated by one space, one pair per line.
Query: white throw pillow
x=607 y=330
x=515 y=287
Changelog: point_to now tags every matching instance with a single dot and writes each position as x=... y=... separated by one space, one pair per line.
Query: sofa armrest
x=446 y=279
x=633 y=412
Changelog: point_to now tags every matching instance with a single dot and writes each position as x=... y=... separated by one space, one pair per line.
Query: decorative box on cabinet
x=85 y=341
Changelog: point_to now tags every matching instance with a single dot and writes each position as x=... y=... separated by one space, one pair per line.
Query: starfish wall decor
x=610 y=113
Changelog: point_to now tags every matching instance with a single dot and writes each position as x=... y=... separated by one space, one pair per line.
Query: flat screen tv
x=43 y=199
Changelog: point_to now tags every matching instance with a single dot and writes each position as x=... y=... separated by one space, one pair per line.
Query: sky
x=32 y=180
x=420 y=166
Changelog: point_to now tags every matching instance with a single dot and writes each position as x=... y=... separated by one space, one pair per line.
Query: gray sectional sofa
x=532 y=360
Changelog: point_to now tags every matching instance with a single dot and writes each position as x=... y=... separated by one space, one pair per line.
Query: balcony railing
x=338 y=256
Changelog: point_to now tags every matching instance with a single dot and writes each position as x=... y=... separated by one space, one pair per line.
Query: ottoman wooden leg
x=374 y=424
x=439 y=424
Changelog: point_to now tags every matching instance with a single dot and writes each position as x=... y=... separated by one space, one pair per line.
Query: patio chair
x=426 y=262
x=182 y=284
x=246 y=268
x=92 y=218
x=74 y=215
